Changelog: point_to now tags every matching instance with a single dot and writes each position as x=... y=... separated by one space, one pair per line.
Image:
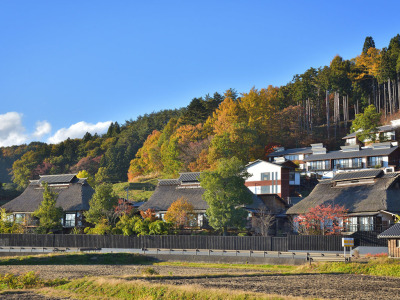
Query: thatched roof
x=379 y=192
x=73 y=194
x=170 y=190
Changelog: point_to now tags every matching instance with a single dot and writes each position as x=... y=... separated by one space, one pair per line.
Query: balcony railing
x=365 y=227
x=348 y=167
x=319 y=169
x=374 y=165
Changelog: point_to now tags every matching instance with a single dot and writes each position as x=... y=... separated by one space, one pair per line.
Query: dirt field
x=332 y=286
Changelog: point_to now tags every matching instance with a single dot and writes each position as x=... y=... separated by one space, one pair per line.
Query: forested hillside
x=315 y=106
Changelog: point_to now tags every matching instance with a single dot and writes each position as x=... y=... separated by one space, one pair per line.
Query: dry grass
x=113 y=288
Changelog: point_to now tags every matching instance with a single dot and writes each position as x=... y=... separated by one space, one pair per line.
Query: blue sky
x=68 y=67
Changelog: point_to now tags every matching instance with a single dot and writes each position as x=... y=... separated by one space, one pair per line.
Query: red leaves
x=322 y=220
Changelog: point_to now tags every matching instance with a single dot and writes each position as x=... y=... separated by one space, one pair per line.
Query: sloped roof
x=165 y=195
x=357 y=175
x=392 y=232
x=168 y=181
x=350 y=154
x=53 y=179
x=288 y=164
x=189 y=177
x=304 y=150
x=382 y=194
x=384 y=128
x=72 y=197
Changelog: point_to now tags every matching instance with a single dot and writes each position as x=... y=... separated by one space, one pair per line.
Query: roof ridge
x=59 y=174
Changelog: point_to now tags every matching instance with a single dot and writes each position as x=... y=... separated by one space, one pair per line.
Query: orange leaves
x=181 y=213
x=149 y=214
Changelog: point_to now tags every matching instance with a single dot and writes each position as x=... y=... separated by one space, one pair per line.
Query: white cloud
x=78 y=130
x=42 y=128
x=12 y=132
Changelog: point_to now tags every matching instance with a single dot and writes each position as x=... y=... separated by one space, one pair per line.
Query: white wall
x=261 y=167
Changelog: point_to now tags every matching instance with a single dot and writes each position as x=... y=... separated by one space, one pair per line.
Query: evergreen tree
x=225 y=194
x=48 y=213
x=102 y=205
x=368 y=43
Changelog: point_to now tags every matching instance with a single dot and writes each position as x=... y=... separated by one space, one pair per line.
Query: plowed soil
x=323 y=286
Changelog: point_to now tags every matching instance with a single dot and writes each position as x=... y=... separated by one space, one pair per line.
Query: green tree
x=225 y=194
x=368 y=43
x=8 y=224
x=102 y=205
x=366 y=124
x=48 y=213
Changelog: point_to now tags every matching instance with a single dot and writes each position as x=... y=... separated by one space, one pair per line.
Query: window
x=341 y=163
x=366 y=223
x=292 y=176
x=320 y=165
x=375 y=161
x=292 y=157
x=266 y=176
x=69 y=220
x=356 y=162
x=351 y=224
x=266 y=189
x=19 y=218
x=398 y=243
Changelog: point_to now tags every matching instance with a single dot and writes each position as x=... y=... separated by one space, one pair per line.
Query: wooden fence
x=257 y=243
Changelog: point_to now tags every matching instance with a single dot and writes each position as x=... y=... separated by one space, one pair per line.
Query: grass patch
x=138 y=191
x=106 y=288
x=27 y=281
x=78 y=259
x=375 y=267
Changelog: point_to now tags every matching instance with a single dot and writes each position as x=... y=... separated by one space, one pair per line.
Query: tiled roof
x=305 y=150
x=350 y=154
x=189 y=177
x=392 y=232
x=52 y=179
x=168 y=182
x=357 y=175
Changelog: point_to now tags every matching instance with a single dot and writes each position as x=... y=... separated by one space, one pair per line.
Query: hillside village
x=361 y=177
x=249 y=164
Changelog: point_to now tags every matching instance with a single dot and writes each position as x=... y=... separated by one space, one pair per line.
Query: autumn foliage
x=322 y=220
x=149 y=214
x=181 y=213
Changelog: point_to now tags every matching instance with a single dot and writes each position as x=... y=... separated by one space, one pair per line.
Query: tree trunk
x=390 y=96
x=327 y=111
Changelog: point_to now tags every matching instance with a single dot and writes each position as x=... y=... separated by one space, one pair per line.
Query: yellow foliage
x=369 y=63
x=181 y=213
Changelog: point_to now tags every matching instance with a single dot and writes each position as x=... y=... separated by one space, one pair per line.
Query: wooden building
x=393 y=238
x=73 y=195
x=371 y=198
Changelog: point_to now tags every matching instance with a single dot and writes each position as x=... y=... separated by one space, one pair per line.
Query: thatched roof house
x=188 y=187
x=73 y=196
x=371 y=197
